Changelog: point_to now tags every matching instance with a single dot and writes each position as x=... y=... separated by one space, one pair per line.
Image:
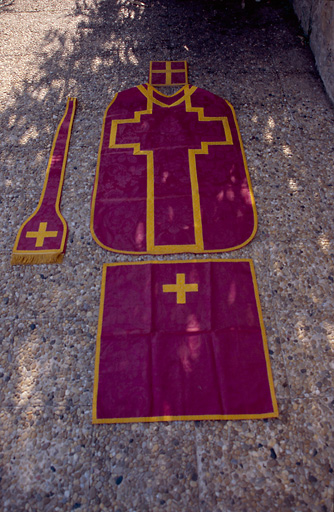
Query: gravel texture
x=52 y=458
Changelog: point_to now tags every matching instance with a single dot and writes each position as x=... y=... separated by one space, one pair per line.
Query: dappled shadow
x=97 y=48
x=252 y=56
x=6 y=3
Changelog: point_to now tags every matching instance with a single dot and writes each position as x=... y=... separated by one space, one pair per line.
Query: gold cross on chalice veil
x=180 y=288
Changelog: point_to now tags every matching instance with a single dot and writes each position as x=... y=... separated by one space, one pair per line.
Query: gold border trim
x=148 y=93
x=154 y=419
x=98 y=341
x=96 y=181
x=27 y=256
x=166 y=84
x=273 y=414
x=264 y=339
x=198 y=246
x=248 y=180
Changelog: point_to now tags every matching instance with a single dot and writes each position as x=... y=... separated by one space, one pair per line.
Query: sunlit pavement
x=52 y=457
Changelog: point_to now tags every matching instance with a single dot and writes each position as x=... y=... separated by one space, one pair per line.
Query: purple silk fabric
x=120 y=201
x=158 y=359
x=48 y=207
x=178 y=73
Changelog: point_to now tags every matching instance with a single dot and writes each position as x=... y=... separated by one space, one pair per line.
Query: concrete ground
x=52 y=457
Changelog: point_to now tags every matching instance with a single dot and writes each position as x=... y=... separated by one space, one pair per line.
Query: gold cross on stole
x=180 y=288
x=41 y=234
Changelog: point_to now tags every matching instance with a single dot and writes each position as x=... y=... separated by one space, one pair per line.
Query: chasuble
x=172 y=175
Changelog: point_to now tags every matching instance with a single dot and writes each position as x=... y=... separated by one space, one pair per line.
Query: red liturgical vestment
x=171 y=175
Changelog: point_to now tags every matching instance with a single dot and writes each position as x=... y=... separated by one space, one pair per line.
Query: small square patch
x=164 y=73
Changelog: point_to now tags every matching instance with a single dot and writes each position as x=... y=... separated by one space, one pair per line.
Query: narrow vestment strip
x=181 y=340
x=42 y=237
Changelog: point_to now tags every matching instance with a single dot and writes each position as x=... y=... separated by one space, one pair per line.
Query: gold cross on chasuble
x=152 y=133
x=41 y=234
x=171 y=175
x=180 y=288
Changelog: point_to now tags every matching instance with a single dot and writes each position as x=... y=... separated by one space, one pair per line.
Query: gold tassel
x=36 y=259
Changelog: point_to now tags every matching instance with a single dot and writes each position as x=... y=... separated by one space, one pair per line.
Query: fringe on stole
x=36 y=259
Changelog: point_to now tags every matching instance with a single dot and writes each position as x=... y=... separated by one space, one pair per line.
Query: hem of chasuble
x=48 y=256
x=273 y=413
x=151 y=247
